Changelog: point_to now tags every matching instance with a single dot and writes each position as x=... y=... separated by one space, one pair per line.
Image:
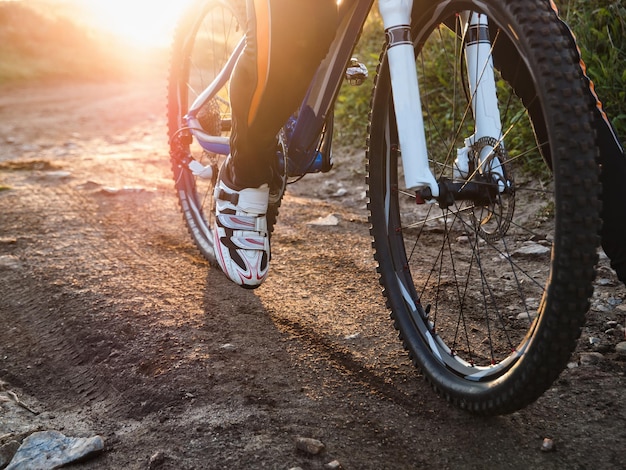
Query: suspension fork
x=396 y=16
x=483 y=95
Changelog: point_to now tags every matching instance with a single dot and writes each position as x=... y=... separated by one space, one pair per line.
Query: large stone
x=47 y=450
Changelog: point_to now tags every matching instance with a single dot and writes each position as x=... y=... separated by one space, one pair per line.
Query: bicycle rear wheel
x=205 y=48
x=489 y=295
x=204 y=40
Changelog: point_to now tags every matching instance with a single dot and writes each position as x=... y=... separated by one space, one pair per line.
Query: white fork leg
x=483 y=90
x=396 y=16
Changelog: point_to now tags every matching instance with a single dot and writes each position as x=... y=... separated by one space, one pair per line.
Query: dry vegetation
x=37 y=45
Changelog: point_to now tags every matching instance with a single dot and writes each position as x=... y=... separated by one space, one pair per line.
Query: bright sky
x=140 y=22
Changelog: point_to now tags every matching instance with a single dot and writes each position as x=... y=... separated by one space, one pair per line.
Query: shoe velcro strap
x=252 y=200
x=247 y=243
x=233 y=198
x=243 y=222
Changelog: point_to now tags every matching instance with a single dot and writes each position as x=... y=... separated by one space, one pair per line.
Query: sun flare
x=143 y=23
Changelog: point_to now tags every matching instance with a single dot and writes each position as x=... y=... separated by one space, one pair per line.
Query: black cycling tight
x=286 y=41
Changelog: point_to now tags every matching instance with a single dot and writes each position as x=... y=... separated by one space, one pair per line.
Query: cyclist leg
x=286 y=41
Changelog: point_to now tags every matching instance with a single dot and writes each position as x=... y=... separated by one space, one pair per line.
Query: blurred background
x=52 y=40
x=103 y=40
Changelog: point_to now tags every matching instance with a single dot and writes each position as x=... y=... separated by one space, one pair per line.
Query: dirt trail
x=113 y=324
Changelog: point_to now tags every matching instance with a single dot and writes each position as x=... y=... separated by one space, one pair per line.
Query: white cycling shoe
x=242 y=245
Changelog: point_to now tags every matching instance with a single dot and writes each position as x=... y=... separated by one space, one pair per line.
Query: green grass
x=600 y=28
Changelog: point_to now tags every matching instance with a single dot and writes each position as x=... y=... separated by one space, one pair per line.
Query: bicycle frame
x=307 y=128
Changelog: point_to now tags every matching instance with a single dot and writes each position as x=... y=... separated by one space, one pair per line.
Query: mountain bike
x=481 y=173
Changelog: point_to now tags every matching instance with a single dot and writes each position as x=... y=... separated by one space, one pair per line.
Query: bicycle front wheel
x=489 y=293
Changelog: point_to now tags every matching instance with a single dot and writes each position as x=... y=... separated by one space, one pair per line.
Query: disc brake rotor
x=492 y=221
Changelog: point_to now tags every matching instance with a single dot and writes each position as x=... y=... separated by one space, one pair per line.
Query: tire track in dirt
x=49 y=353
x=50 y=348
x=57 y=347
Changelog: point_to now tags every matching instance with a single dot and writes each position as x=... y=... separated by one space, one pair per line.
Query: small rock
x=9 y=261
x=353 y=336
x=334 y=465
x=228 y=347
x=548 y=445
x=56 y=175
x=594 y=341
x=531 y=249
x=89 y=185
x=527 y=315
x=611 y=324
x=605 y=282
x=157 y=460
x=328 y=221
x=111 y=191
x=620 y=348
x=7 y=451
x=600 y=307
x=591 y=358
x=309 y=445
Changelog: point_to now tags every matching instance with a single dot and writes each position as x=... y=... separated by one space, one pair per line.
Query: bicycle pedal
x=356 y=73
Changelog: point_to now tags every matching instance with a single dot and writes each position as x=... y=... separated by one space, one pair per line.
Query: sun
x=143 y=23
